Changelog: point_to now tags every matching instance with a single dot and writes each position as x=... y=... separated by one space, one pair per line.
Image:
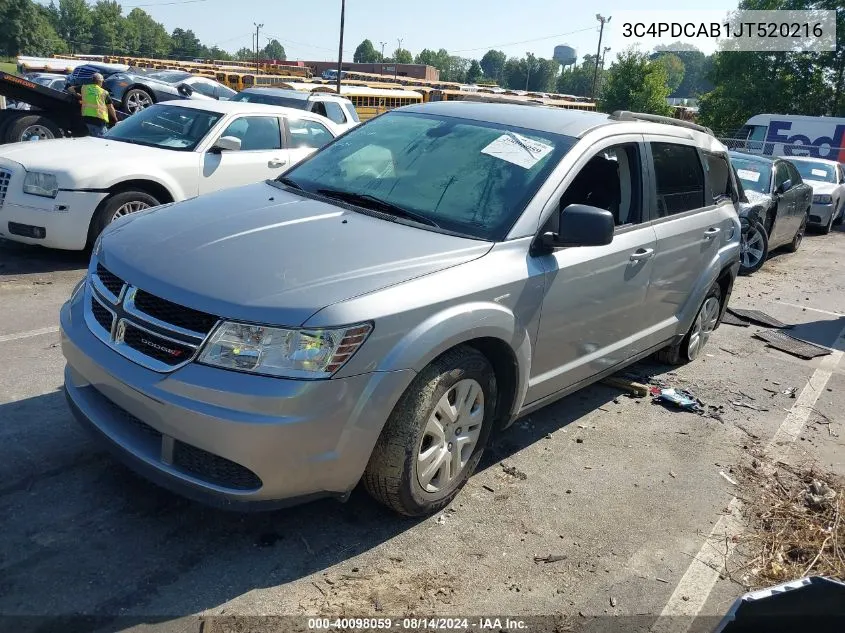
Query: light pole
x=396 y=61
x=528 y=69
x=603 y=55
x=258 y=27
x=340 y=45
x=601 y=19
x=381 y=72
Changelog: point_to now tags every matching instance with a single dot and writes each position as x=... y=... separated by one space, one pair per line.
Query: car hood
x=820 y=186
x=262 y=254
x=78 y=161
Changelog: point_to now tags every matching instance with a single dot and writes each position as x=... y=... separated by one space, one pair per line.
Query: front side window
x=204 y=88
x=781 y=174
x=466 y=176
x=680 y=178
x=794 y=176
x=305 y=133
x=168 y=127
x=256 y=132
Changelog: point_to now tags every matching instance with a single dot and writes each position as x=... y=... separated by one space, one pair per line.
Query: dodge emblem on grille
x=167 y=350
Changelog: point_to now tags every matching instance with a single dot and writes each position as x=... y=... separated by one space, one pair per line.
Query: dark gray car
x=137 y=89
x=775 y=210
x=385 y=305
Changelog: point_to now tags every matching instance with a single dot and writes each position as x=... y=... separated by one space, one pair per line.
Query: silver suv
x=375 y=313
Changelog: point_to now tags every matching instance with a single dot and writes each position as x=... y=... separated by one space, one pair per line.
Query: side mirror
x=227 y=144
x=581 y=225
x=785 y=186
x=185 y=90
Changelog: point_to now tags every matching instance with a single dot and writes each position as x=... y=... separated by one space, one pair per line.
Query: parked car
x=827 y=178
x=338 y=109
x=49 y=80
x=380 y=309
x=134 y=91
x=62 y=193
x=82 y=75
x=776 y=209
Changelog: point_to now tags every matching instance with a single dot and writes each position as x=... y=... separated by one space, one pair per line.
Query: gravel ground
x=621 y=491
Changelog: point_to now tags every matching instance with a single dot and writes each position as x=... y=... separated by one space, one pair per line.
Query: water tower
x=565 y=55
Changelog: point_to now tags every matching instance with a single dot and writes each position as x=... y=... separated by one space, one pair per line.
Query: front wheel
x=435 y=436
x=753 y=248
x=799 y=236
x=829 y=226
x=702 y=328
x=136 y=100
x=118 y=205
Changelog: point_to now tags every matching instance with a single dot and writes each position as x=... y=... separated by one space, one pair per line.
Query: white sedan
x=827 y=178
x=61 y=193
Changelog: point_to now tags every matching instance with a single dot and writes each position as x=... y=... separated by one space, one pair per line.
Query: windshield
x=168 y=127
x=811 y=170
x=755 y=175
x=465 y=176
x=271 y=99
x=170 y=76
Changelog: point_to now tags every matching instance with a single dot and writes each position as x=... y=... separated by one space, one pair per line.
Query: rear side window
x=680 y=178
x=305 y=133
x=718 y=176
x=353 y=114
x=335 y=112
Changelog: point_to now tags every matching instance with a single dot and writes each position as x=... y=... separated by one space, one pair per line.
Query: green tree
x=675 y=70
x=578 y=80
x=245 y=54
x=218 y=53
x=634 y=82
x=696 y=67
x=185 y=44
x=107 y=27
x=403 y=56
x=474 y=73
x=17 y=23
x=493 y=64
x=536 y=73
x=366 y=53
x=45 y=39
x=274 y=50
x=144 y=36
x=75 y=24
x=427 y=57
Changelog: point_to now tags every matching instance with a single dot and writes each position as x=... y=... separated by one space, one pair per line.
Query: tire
x=754 y=249
x=137 y=99
x=840 y=214
x=8 y=118
x=29 y=126
x=122 y=203
x=795 y=244
x=393 y=476
x=699 y=333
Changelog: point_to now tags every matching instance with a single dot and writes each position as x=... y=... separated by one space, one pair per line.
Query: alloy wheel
x=137 y=100
x=127 y=208
x=450 y=436
x=703 y=327
x=751 y=247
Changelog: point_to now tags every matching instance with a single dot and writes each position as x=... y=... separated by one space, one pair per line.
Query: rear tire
x=30 y=126
x=706 y=320
x=754 y=249
x=425 y=453
x=795 y=244
x=117 y=205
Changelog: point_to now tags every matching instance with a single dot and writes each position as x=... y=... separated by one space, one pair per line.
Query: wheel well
x=157 y=191
x=504 y=363
x=725 y=284
x=141 y=87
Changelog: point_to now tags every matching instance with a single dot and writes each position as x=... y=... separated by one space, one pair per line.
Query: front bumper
x=226 y=438
x=63 y=221
x=820 y=214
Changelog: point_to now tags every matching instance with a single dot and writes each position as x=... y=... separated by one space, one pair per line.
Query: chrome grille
x=5 y=177
x=151 y=331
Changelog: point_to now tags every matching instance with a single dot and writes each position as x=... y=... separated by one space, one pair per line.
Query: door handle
x=711 y=232
x=276 y=162
x=641 y=254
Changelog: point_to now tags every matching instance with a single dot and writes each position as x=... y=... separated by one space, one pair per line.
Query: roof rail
x=625 y=115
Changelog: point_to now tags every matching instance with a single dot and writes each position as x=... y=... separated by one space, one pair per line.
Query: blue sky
x=309 y=30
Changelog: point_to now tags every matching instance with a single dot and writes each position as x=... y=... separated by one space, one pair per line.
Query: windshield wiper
x=367 y=201
x=290 y=183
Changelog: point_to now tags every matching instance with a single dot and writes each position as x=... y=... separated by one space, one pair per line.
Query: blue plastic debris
x=677 y=398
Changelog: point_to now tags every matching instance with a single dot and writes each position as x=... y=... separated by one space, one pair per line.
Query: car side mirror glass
x=785 y=186
x=581 y=225
x=227 y=144
x=185 y=90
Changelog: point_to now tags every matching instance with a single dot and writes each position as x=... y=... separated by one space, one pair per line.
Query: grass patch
x=9 y=67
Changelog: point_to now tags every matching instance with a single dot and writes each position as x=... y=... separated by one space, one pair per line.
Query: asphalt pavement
x=622 y=493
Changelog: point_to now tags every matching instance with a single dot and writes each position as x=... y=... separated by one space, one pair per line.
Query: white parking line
x=697 y=582
x=796 y=305
x=19 y=335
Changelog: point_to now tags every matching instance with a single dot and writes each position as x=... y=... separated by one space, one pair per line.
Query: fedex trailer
x=793 y=135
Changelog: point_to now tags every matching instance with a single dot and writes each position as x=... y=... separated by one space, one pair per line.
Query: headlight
x=822 y=198
x=40 y=184
x=306 y=353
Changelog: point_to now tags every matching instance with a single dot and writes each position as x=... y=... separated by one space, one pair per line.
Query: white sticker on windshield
x=516 y=149
x=819 y=172
x=744 y=174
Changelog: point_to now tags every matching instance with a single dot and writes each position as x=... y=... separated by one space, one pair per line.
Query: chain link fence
x=778 y=149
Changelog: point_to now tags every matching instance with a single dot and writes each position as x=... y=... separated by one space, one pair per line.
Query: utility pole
x=258 y=27
x=396 y=61
x=340 y=45
x=528 y=69
x=603 y=55
x=603 y=20
x=381 y=72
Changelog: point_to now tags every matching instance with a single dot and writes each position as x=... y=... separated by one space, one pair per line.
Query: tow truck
x=54 y=113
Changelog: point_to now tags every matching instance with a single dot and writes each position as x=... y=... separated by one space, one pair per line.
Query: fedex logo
x=832 y=148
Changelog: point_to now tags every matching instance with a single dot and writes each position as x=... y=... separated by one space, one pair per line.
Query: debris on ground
x=791 y=345
x=715 y=411
x=730 y=319
x=488 y=488
x=796 y=525
x=513 y=471
x=758 y=317
x=790 y=392
x=550 y=558
x=636 y=389
x=677 y=398
x=441 y=520
x=612 y=601
x=748 y=405
x=728 y=478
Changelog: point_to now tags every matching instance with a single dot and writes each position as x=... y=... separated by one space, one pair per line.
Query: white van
x=793 y=135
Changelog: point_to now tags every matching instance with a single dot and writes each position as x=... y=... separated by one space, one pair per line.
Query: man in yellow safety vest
x=97 y=107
